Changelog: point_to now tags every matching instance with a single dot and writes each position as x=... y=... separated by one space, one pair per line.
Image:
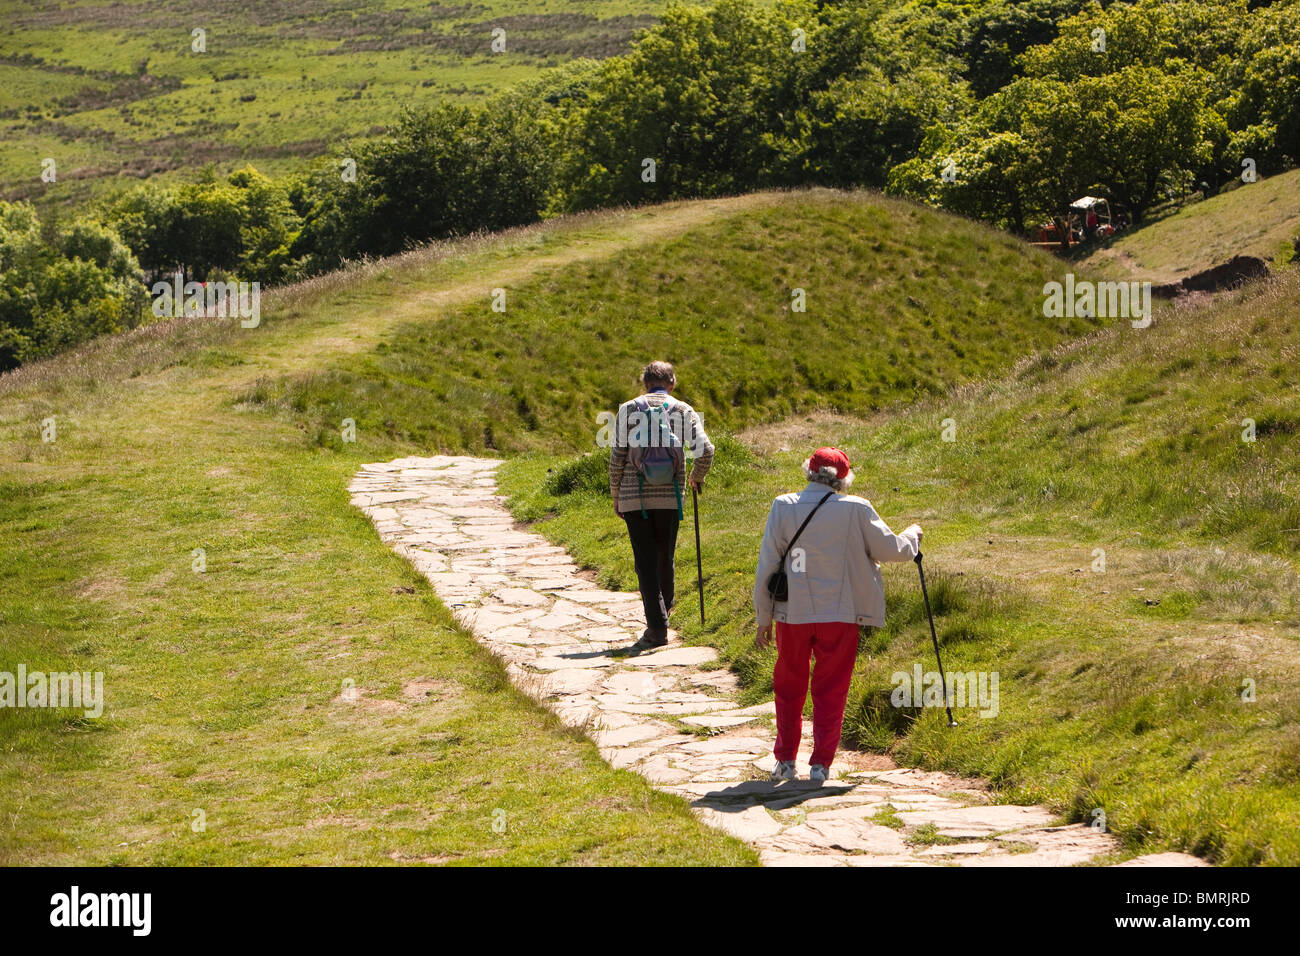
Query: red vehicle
x=1088 y=218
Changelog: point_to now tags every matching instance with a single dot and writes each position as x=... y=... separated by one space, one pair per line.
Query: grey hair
x=658 y=373
x=827 y=476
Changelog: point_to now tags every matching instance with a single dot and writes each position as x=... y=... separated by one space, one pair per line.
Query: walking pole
x=699 y=564
x=925 y=594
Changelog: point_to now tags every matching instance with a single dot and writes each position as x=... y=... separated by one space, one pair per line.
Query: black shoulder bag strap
x=789 y=547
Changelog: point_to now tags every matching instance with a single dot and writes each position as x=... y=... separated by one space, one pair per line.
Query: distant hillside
x=114 y=90
x=1258 y=219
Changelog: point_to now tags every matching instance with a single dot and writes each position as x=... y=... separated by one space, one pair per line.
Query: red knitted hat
x=830 y=458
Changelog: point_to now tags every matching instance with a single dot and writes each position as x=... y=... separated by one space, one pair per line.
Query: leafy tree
x=54 y=295
x=243 y=226
x=1036 y=145
x=269 y=225
x=724 y=99
x=447 y=171
x=1270 y=86
x=148 y=218
x=988 y=36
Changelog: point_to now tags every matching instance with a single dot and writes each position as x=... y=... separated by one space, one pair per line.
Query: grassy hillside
x=114 y=92
x=1257 y=219
x=1121 y=689
x=223 y=687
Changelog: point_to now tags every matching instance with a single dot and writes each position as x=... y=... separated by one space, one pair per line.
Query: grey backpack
x=658 y=460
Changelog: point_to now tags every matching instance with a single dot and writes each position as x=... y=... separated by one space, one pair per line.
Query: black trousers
x=654 y=541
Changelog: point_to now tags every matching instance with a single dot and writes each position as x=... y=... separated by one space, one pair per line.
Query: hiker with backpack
x=647 y=478
x=819 y=578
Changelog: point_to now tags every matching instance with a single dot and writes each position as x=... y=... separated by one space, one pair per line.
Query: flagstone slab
x=776 y=858
x=669 y=741
x=625 y=757
x=954 y=849
x=554 y=584
x=627 y=735
x=596 y=596
x=637 y=683
x=900 y=860
x=524 y=597
x=572 y=661
x=717 y=720
x=548 y=572
x=740 y=745
x=843 y=835
x=978 y=821
x=568 y=681
x=657 y=769
x=674 y=657
x=603 y=634
x=752 y=823
x=522 y=635
x=720 y=680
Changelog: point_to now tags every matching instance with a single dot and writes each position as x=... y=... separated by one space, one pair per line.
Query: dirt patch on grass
x=799 y=432
x=358 y=697
x=350 y=823
x=399 y=857
x=422 y=689
x=854 y=761
x=102 y=586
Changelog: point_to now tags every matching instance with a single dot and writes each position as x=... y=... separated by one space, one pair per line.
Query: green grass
x=927 y=834
x=280 y=82
x=1257 y=219
x=1127 y=440
x=223 y=688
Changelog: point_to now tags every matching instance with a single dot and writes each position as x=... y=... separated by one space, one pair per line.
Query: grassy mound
x=899 y=300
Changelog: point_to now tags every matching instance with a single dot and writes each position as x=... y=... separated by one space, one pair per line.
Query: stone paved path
x=671 y=716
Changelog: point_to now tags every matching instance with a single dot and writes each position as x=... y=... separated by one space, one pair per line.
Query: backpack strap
x=677 y=488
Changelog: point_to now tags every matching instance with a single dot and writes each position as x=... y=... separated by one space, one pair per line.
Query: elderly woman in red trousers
x=835 y=542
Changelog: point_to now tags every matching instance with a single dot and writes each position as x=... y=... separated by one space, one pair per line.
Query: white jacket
x=838 y=576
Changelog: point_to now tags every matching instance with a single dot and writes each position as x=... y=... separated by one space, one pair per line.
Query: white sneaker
x=817 y=774
x=784 y=770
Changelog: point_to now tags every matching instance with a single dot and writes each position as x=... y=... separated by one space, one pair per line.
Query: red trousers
x=833 y=648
